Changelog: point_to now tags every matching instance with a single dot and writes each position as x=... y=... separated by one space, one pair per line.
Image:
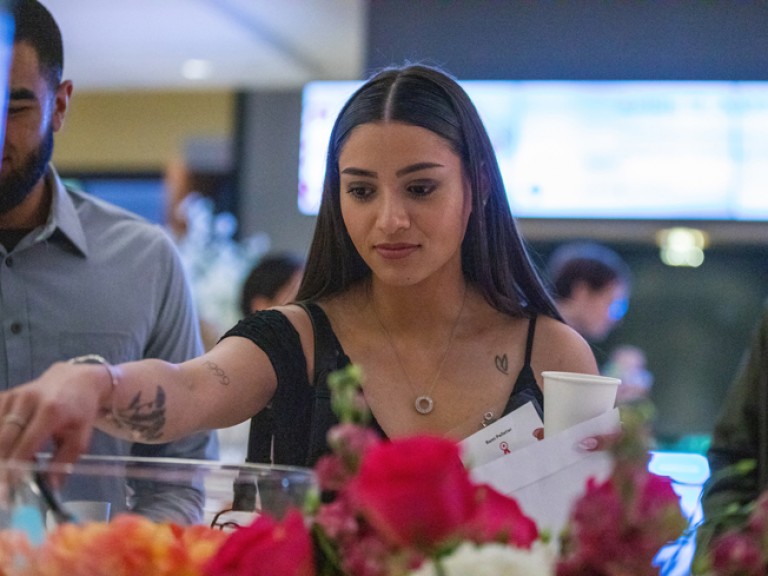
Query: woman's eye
x=421 y=189
x=360 y=191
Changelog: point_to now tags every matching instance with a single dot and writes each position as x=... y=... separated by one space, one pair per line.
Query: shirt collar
x=63 y=220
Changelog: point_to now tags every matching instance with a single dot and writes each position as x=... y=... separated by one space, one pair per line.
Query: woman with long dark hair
x=416 y=273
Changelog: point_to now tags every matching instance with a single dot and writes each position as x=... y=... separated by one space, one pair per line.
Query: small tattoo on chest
x=502 y=364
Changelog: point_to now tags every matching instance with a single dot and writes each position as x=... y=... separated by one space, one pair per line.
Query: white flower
x=493 y=560
x=215 y=263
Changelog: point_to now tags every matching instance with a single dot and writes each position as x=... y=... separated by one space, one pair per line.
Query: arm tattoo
x=218 y=372
x=502 y=364
x=145 y=419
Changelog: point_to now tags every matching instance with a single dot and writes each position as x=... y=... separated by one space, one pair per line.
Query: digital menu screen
x=600 y=149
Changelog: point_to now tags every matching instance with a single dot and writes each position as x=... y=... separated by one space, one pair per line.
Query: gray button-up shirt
x=96 y=279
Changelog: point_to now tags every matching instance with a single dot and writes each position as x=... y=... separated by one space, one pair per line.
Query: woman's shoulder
x=298 y=315
x=557 y=346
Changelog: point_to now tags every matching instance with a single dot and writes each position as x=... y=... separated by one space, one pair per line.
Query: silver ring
x=14 y=419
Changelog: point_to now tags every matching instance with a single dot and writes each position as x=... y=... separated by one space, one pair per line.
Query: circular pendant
x=424 y=404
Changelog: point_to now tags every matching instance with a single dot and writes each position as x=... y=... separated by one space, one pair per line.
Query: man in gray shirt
x=80 y=277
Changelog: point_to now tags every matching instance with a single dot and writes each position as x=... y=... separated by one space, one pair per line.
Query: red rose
x=267 y=548
x=498 y=518
x=414 y=491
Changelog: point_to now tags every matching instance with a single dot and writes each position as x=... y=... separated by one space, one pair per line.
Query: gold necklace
x=424 y=403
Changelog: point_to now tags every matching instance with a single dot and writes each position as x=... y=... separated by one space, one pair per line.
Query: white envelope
x=501 y=438
x=546 y=477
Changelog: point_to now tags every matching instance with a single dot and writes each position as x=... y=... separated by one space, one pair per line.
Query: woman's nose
x=393 y=213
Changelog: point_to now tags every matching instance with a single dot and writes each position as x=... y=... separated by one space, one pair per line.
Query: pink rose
x=618 y=526
x=414 y=491
x=758 y=518
x=332 y=474
x=737 y=555
x=337 y=519
x=498 y=518
x=266 y=548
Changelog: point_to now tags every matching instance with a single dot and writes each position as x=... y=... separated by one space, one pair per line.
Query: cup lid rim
x=581 y=377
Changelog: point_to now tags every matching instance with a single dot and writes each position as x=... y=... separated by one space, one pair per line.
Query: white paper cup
x=571 y=398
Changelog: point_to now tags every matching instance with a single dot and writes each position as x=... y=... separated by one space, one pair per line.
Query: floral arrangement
x=740 y=546
x=405 y=507
x=618 y=526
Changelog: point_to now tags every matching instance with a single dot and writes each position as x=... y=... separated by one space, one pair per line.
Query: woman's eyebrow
x=402 y=172
x=416 y=167
x=359 y=172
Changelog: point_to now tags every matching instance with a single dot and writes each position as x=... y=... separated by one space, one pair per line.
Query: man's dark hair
x=35 y=25
x=588 y=263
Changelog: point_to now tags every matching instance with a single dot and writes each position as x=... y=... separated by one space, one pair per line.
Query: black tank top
x=292 y=430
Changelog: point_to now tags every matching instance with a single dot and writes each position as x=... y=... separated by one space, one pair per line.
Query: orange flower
x=200 y=542
x=14 y=546
x=128 y=545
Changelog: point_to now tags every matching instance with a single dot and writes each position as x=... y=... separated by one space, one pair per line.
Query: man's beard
x=17 y=184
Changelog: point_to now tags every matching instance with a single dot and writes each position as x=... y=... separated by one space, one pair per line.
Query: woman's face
x=405 y=201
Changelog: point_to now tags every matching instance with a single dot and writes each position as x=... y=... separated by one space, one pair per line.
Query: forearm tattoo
x=144 y=419
x=502 y=364
x=218 y=372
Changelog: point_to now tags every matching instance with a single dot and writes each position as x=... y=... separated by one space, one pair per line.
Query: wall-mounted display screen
x=142 y=194
x=600 y=149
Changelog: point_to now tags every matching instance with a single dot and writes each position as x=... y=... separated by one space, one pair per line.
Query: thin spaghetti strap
x=329 y=355
x=526 y=389
x=529 y=343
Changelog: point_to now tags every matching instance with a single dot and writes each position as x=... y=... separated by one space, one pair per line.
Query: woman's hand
x=590 y=443
x=61 y=406
x=599 y=442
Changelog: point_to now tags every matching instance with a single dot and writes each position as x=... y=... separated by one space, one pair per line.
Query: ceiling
x=143 y=44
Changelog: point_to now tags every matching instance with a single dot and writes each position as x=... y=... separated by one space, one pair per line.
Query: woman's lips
x=395 y=251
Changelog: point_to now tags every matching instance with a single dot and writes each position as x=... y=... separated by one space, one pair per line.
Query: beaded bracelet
x=97 y=359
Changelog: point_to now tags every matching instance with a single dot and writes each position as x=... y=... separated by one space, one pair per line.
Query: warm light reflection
x=682 y=246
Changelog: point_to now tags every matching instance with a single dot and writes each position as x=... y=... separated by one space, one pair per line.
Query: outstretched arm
x=148 y=401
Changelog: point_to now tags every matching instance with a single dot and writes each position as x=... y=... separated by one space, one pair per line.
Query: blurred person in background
x=273 y=281
x=591 y=285
x=82 y=279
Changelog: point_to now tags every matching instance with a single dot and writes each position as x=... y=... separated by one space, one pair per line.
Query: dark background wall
x=692 y=323
x=586 y=39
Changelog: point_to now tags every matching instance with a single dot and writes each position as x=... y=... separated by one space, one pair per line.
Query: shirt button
x=16 y=327
x=9 y=261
